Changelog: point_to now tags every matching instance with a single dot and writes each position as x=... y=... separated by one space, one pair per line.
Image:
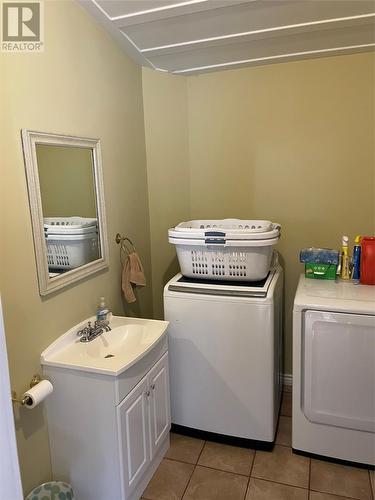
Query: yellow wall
x=83 y=85
x=66 y=179
x=289 y=142
x=166 y=132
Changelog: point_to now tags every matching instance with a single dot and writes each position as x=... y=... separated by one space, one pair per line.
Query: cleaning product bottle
x=368 y=260
x=102 y=311
x=345 y=268
x=356 y=260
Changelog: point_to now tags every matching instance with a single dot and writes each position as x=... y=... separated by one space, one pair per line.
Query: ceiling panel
x=271 y=47
x=347 y=34
x=115 y=8
x=171 y=9
x=244 y=18
x=192 y=36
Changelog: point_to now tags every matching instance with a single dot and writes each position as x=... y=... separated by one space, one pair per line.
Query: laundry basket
x=228 y=249
x=69 y=225
x=71 y=241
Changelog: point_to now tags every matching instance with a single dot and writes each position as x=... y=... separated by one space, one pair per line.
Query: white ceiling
x=196 y=36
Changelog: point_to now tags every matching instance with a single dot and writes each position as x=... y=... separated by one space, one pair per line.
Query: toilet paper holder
x=34 y=381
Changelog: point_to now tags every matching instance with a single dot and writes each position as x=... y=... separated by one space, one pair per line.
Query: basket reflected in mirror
x=71 y=242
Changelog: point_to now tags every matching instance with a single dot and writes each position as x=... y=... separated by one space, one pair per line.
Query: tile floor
x=201 y=470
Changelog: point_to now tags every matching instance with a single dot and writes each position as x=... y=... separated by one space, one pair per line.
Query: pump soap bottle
x=102 y=311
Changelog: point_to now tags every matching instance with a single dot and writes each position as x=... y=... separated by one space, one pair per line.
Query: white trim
x=130 y=44
x=171 y=10
x=97 y=12
x=29 y=141
x=271 y=58
x=256 y=32
x=156 y=9
x=133 y=44
x=10 y=479
x=287 y=379
x=147 y=11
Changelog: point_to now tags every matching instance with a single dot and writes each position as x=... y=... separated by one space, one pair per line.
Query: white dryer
x=225 y=357
x=334 y=370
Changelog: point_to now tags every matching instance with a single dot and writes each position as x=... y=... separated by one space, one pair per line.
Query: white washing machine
x=334 y=370
x=225 y=357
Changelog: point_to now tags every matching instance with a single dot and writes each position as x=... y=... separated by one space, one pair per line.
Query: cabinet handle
x=147 y=393
x=153 y=387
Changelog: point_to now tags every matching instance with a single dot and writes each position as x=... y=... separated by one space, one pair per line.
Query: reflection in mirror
x=66 y=197
x=67 y=189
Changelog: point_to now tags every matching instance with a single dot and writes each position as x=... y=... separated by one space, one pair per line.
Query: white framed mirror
x=66 y=195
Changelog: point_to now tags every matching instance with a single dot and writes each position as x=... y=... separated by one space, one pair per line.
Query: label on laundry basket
x=214 y=233
x=215 y=241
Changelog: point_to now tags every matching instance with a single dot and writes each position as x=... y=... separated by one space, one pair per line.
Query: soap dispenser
x=102 y=311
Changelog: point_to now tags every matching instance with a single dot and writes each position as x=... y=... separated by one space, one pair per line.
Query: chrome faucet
x=89 y=332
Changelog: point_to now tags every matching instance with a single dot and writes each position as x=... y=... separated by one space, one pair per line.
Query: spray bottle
x=345 y=267
x=356 y=260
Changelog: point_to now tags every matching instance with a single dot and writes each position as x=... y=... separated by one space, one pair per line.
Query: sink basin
x=112 y=352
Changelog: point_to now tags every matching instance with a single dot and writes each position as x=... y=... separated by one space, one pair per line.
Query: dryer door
x=338 y=386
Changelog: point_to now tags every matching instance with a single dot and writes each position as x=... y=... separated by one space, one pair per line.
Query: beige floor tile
x=209 y=484
x=227 y=458
x=286 y=404
x=184 y=448
x=315 y=495
x=284 y=431
x=265 y=490
x=340 y=480
x=169 y=481
x=282 y=466
x=372 y=479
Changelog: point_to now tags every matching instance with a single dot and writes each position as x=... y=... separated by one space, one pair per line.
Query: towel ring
x=123 y=241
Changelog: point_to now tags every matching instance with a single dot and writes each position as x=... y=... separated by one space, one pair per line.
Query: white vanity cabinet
x=109 y=433
x=144 y=423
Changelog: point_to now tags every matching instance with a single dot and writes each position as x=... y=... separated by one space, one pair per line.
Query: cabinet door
x=133 y=422
x=160 y=414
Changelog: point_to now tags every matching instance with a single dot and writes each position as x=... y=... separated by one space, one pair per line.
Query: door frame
x=10 y=478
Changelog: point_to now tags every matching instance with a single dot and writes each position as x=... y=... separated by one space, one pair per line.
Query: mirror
x=64 y=178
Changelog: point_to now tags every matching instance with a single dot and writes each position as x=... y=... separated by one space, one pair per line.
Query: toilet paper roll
x=37 y=394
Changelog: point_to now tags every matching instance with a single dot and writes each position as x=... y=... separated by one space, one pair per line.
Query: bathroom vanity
x=109 y=414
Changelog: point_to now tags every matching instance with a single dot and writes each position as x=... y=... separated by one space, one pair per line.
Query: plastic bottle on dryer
x=356 y=260
x=368 y=260
x=345 y=260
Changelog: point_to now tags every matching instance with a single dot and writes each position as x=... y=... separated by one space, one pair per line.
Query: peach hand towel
x=132 y=275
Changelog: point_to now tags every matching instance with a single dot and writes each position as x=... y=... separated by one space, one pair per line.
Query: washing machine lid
x=329 y=295
x=221 y=287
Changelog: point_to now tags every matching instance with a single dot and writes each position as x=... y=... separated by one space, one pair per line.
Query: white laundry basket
x=71 y=242
x=69 y=225
x=228 y=249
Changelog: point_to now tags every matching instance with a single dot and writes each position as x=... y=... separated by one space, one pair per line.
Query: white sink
x=112 y=352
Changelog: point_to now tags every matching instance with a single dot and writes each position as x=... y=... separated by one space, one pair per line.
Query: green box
x=320 y=271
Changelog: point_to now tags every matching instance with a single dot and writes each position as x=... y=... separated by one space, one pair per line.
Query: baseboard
x=334 y=460
x=222 y=438
x=287 y=379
